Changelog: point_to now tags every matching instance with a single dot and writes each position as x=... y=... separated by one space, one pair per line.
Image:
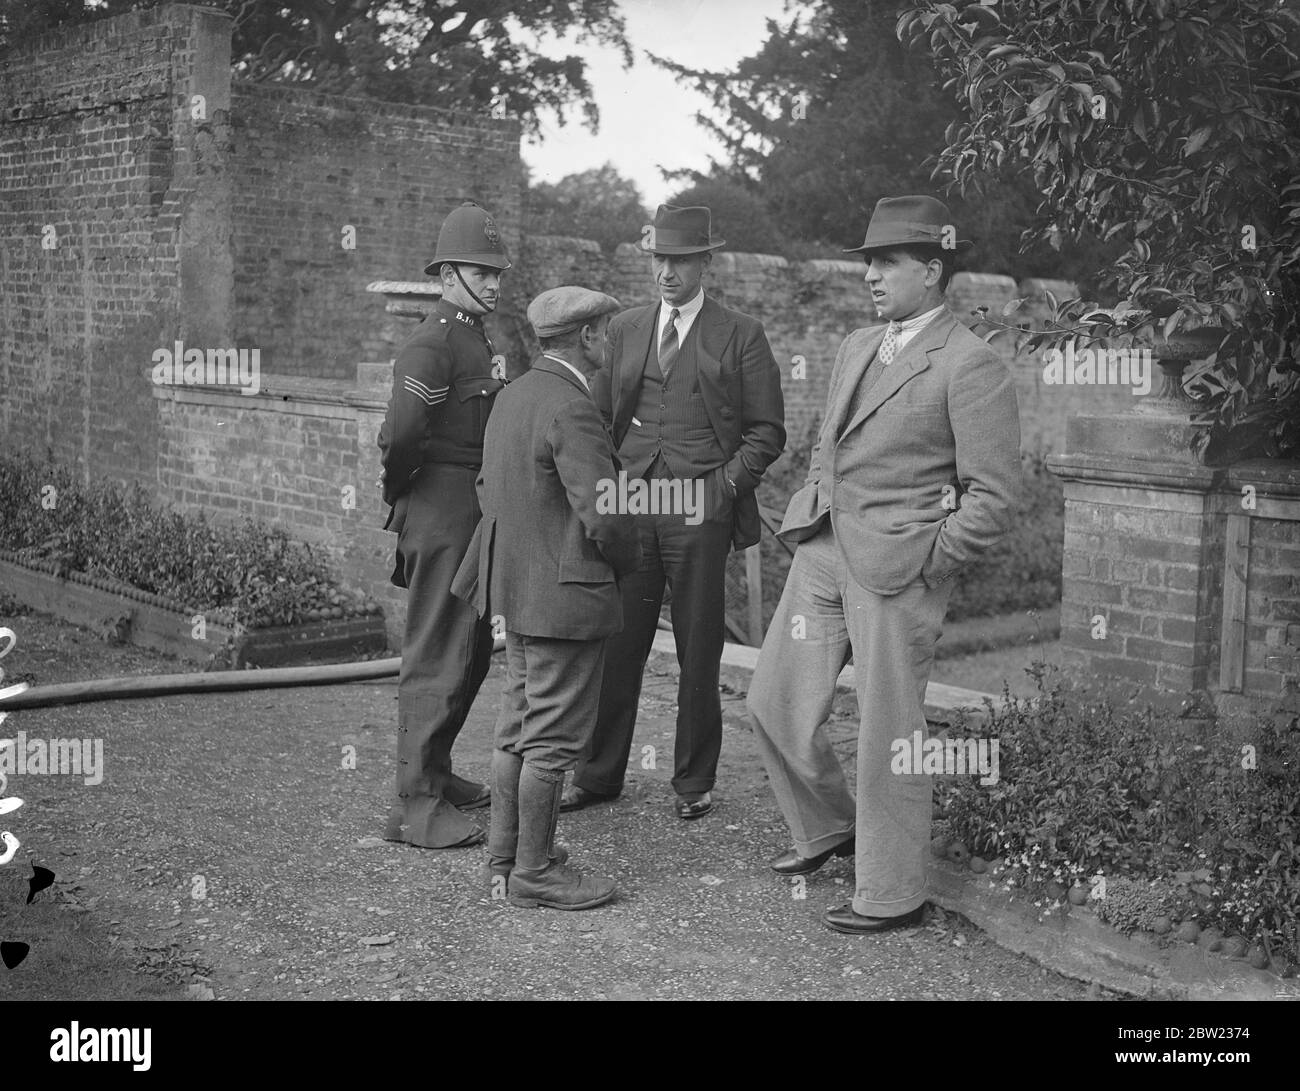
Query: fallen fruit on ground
x=958 y=853
x=1161 y=926
x=1258 y=958
x=1188 y=931
x=978 y=865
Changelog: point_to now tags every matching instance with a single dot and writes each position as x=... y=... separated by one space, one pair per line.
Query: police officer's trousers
x=446 y=652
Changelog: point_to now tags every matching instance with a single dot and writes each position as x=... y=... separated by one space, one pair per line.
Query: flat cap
x=562 y=310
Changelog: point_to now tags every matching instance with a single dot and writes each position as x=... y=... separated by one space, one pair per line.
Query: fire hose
x=166 y=685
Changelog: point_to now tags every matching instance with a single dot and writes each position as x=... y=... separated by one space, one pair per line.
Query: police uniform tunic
x=432 y=448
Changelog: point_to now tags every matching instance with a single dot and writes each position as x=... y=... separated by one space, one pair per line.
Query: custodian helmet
x=469 y=234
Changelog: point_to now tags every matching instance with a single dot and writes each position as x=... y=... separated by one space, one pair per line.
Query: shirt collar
x=911 y=325
x=561 y=360
x=687 y=310
x=456 y=314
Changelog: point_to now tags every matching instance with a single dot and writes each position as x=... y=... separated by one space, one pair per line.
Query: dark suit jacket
x=739 y=382
x=941 y=424
x=543 y=557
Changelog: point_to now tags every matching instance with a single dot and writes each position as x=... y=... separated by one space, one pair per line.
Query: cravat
x=668 y=346
x=888 y=345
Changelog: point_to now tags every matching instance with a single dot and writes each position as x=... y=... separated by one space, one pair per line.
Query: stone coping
x=301 y=395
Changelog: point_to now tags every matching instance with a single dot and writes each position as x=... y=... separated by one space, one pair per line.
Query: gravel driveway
x=231 y=834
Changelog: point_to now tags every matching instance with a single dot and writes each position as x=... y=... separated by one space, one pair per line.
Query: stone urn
x=1173 y=355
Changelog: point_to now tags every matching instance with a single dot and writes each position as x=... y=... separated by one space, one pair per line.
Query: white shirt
x=685 y=316
x=560 y=360
x=912 y=326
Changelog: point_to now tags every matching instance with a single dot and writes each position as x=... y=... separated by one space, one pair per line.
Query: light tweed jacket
x=943 y=414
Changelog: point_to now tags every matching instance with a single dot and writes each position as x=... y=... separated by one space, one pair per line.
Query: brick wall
x=1180 y=582
x=1271 y=644
x=102 y=169
x=302 y=454
x=1138 y=573
x=306 y=168
x=175 y=207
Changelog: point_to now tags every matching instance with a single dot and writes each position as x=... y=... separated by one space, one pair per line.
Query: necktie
x=889 y=344
x=668 y=346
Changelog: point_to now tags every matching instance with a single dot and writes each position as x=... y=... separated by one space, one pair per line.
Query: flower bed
x=1189 y=838
x=231 y=595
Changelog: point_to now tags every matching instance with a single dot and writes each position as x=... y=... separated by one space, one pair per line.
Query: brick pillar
x=201 y=179
x=1181 y=583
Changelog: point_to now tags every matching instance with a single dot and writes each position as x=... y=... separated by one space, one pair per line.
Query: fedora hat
x=908 y=221
x=681 y=231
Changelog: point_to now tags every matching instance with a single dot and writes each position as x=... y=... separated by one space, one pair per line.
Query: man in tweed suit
x=544 y=562
x=914 y=474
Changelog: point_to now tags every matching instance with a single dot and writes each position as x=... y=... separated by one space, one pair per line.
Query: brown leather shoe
x=844 y=919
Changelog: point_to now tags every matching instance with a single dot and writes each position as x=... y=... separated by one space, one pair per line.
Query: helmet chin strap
x=486 y=309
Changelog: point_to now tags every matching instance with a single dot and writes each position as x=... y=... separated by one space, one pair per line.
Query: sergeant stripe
x=425 y=387
x=420 y=392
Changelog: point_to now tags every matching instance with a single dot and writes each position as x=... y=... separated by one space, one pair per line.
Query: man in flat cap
x=693 y=395
x=544 y=566
x=444 y=384
x=915 y=473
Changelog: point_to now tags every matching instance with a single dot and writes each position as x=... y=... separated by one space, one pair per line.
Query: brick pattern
x=87 y=133
x=1145 y=568
x=1151 y=563
x=307 y=166
x=294 y=461
x=1273 y=608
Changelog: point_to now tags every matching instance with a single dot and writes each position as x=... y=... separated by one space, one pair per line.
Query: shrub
x=248 y=574
x=1023 y=569
x=1132 y=905
x=1087 y=787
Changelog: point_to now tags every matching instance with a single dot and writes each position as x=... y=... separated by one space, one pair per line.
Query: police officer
x=444 y=382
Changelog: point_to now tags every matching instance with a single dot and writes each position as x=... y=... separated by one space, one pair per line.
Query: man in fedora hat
x=692 y=393
x=545 y=561
x=444 y=383
x=914 y=474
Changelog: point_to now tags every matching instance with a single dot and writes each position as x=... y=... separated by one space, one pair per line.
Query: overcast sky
x=647 y=119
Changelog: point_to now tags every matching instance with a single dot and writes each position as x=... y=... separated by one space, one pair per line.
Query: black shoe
x=844 y=919
x=791 y=863
x=690 y=809
x=575 y=798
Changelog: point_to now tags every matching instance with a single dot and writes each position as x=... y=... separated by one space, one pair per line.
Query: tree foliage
x=597 y=204
x=462 y=54
x=833 y=113
x=737 y=215
x=1174 y=129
